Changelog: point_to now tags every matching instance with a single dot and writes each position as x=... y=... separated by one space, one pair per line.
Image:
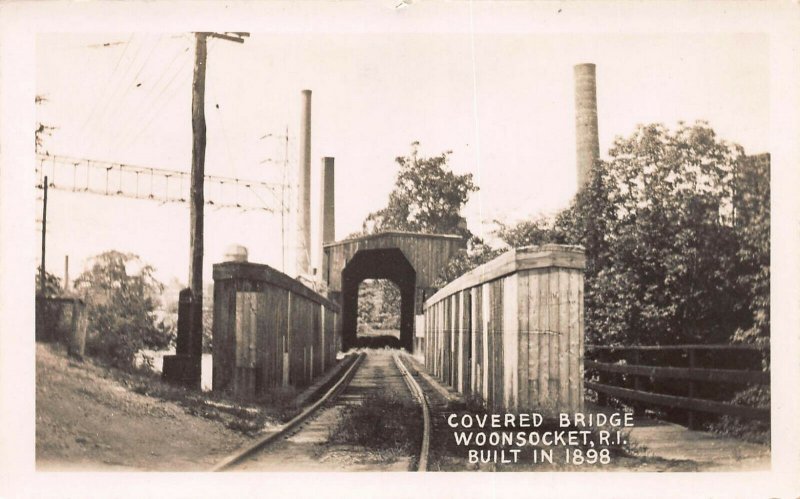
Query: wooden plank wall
x=427 y=253
x=516 y=340
x=266 y=336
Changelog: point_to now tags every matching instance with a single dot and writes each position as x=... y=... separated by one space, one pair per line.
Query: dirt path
x=86 y=420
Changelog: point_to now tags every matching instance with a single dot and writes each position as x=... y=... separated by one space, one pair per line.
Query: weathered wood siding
x=269 y=330
x=427 y=253
x=511 y=331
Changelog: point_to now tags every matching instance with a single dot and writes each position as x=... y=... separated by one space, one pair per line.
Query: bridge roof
x=427 y=253
x=391 y=234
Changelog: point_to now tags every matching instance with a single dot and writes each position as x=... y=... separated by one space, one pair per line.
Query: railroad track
x=296 y=445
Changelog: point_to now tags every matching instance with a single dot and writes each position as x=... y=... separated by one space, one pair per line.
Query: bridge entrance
x=387 y=263
x=410 y=260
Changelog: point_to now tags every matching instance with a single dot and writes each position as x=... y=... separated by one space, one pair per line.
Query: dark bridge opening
x=388 y=264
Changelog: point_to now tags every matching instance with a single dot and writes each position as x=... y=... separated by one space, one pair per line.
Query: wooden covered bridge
x=410 y=260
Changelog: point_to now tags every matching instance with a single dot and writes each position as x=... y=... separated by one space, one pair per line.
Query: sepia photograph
x=411 y=236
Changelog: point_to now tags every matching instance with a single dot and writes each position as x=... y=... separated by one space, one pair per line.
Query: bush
x=750 y=430
x=121 y=295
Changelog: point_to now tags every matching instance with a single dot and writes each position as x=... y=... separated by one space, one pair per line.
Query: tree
x=751 y=220
x=676 y=231
x=427 y=197
x=122 y=293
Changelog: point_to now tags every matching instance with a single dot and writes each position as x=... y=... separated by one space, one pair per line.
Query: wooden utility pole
x=197 y=198
x=42 y=274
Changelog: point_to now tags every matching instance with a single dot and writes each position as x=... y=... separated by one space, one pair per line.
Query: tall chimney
x=327 y=220
x=304 y=192
x=327 y=227
x=587 y=141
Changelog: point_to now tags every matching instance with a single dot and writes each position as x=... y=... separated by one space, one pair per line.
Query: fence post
x=602 y=356
x=185 y=366
x=692 y=423
x=638 y=407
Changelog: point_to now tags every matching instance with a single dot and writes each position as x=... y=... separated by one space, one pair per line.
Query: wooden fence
x=62 y=319
x=269 y=330
x=643 y=374
x=511 y=331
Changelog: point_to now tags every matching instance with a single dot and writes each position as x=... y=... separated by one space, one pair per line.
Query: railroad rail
x=285 y=446
x=287 y=428
x=416 y=390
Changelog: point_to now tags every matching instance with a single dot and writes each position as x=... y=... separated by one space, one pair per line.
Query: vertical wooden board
x=511 y=341
x=552 y=307
x=261 y=341
x=221 y=334
x=544 y=338
x=280 y=316
x=498 y=372
x=453 y=302
x=460 y=341
x=475 y=339
x=322 y=343
x=445 y=341
x=523 y=345
x=285 y=343
x=534 y=335
x=581 y=338
x=246 y=312
x=467 y=341
x=472 y=346
x=563 y=337
x=574 y=395
x=486 y=305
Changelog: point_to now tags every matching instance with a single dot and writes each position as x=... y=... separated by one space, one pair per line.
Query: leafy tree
x=751 y=220
x=475 y=254
x=121 y=294
x=676 y=230
x=379 y=304
x=52 y=283
x=427 y=197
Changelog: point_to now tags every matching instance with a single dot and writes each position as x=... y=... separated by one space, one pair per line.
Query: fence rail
x=631 y=368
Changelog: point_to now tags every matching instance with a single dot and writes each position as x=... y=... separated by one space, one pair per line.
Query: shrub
x=121 y=295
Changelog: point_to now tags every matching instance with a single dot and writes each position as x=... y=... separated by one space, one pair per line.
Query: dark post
x=197 y=197
x=638 y=408
x=602 y=356
x=692 y=423
x=183 y=368
x=42 y=273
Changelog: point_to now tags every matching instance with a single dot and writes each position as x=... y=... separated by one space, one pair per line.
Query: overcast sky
x=502 y=103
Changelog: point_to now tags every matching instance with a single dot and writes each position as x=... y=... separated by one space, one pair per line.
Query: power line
x=107 y=87
x=150 y=110
x=114 y=100
x=80 y=175
x=125 y=115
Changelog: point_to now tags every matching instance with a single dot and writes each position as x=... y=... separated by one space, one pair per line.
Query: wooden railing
x=622 y=372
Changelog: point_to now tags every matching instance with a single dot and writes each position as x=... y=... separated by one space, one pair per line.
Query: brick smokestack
x=327 y=227
x=587 y=141
x=304 y=192
x=328 y=218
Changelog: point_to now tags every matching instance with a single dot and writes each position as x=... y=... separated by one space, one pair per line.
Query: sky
x=502 y=103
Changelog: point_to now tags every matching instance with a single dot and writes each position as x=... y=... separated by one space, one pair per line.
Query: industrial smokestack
x=327 y=220
x=304 y=192
x=587 y=141
x=327 y=227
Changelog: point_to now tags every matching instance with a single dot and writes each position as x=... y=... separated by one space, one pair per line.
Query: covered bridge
x=410 y=260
